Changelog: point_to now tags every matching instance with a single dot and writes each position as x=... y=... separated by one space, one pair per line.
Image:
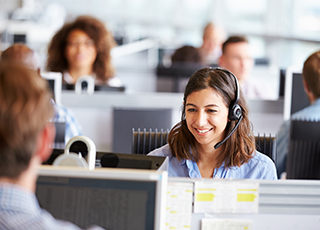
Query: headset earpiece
x=235 y=111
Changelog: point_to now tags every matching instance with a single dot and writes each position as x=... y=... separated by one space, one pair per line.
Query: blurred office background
x=282 y=33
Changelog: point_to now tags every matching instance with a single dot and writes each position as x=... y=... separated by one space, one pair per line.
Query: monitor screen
x=295 y=98
x=55 y=83
x=115 y=199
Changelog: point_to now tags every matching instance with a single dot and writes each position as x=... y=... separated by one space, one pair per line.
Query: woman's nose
x=201 y=119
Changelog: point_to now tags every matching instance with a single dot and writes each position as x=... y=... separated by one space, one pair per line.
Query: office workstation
x=120 y=186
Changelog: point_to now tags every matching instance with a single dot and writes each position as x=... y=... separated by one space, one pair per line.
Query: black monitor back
x=299 y=99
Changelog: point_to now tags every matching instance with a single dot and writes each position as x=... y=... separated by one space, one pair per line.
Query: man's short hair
x=21 y=53
x=233 y=39
x=311 y=73
x=25 y=108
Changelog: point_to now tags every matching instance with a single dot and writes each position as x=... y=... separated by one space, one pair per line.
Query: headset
x=235 y=111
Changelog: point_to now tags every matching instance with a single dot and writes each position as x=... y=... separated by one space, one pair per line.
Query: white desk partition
x=282 y=204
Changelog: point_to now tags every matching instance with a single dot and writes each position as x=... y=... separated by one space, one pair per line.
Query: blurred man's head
x=236 y=57
x=213 y=37
x=21 y=53
x=25 y=108
x=311 y=76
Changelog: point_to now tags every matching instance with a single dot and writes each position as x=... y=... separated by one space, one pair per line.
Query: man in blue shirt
x=311 y=82
x=25 y=136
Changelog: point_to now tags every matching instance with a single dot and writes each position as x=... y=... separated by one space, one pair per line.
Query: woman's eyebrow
x=210 y=105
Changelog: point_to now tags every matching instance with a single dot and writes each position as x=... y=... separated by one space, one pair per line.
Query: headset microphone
x=235 y=112
x=232 y=131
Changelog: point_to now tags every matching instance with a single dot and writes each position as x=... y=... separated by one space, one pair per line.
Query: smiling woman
x=82 y=48
x=214 y=137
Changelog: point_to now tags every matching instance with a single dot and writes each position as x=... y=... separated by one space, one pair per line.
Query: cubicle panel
x=125 y=119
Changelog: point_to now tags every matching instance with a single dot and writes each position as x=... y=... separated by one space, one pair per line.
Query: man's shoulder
x=309 y=112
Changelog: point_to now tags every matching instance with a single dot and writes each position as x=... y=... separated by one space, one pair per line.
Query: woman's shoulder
x=263 y=165
x=162 y=151
x=260 y=157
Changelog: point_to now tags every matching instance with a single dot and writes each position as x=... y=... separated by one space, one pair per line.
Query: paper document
x=226 y=224
x=226 y=197
x=179 y=205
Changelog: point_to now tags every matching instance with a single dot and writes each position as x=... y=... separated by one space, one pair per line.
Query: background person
x=187 y=56
x=22 y=53
x=82 y=48
x=206 y=122
x=212 y=40
x=25 y=135
x=236 y=57
x=311 y=82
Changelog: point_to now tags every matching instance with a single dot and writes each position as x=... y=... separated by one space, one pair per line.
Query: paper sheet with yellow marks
x=179 y=206
x=213 y=196
x=226 y=224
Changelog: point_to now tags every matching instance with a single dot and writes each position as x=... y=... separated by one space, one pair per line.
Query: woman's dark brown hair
x=103 y=41
x=238 y=149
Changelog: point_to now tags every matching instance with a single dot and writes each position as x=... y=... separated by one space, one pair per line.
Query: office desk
x=94 y=112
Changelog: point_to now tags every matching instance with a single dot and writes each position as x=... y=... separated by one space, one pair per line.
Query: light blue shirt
x=310 y=113
x=63 y=114
x=19 y=210
x=259 y=167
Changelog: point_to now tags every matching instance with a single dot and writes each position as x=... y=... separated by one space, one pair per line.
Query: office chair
x=303 y=159
x=145 y=141
x=267 y=145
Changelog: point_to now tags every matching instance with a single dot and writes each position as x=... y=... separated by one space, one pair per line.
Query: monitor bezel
x=288 y=91
x=160 y=177
x=57 y=77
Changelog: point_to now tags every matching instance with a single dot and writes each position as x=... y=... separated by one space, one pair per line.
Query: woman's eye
x=211 y=111
x=191 y=110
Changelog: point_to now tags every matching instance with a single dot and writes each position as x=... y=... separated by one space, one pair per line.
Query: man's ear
x=44 y=141
x=308 y=91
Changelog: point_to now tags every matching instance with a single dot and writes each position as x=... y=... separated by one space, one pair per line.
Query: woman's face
x=206 y=116
x=80 y=51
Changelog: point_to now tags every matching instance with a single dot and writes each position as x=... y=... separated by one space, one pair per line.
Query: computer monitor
x=55 y=82
x=295 y=98
x=119 y=199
